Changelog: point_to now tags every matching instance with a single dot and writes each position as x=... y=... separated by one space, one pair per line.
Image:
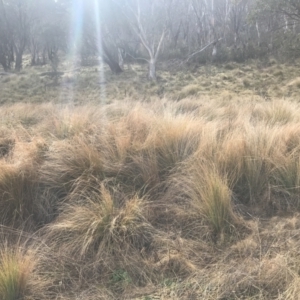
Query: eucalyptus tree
x=47 y=30
x=281 y=20
x=147 y=20
x=28 y=24
x=14 y=32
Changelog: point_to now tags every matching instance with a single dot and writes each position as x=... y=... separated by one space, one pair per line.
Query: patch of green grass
x=168 y=282
x=15 y=274
x=120 y=276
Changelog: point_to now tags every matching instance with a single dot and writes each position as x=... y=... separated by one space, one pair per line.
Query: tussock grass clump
x=246 y=160
x=138 y=124
x=72 y=167
x=165 y=196
x=141 y=172
x=217 y=206
x=279 y=112
x=100 y=226
x=143 y=152
x=21 y=197
x=16 y=274
x=28 y=115
x=211 y=197
x=174 y=140
x=70 y=122
x=110 y=233
x=18 y=186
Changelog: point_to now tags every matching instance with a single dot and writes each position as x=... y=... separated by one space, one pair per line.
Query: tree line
x=142 y=30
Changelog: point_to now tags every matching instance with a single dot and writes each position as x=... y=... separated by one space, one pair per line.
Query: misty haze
x=149 y=149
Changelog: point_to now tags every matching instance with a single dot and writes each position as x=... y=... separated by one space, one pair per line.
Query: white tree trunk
x=258 y=33
x=214 y=52
x=152 y=69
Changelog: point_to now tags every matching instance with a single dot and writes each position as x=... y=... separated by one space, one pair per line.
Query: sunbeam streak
x=75 y=41
x=99 y=48
x=84 y=16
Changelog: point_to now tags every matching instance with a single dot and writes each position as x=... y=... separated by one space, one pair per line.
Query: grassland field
x=115 y=187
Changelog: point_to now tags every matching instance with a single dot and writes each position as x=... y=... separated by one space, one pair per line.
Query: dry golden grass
x=100 y=224
x=195 y=198
x=211 y=197
x=17 y=193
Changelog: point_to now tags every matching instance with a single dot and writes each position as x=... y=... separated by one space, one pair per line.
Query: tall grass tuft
x=286 y=176
x=15 y=274
x=216 y=202
x=246 y=160
x=72 y=167
x=211 y=198
x=100 y=224
x=18 y=187
x=175 y=140
x=278 y=112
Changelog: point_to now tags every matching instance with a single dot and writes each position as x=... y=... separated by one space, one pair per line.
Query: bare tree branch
x=193 y=54
x=159 y=44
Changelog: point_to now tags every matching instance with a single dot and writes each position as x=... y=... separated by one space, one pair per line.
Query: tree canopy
x=147 y=30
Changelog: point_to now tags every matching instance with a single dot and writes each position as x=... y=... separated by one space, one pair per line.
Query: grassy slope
x=145 y=198
x=267 y=80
